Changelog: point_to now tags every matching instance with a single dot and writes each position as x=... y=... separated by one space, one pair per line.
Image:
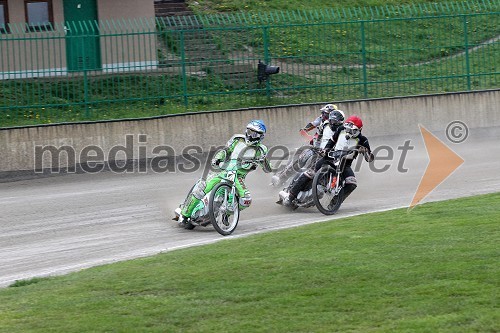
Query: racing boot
x=287 y=201
x=299 y=185
x=348 y=188
x=183 y=221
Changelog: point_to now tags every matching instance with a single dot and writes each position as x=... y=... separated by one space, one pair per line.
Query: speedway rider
x=325 y=112
x=246 y=147
x=319 y=140
x=346 y=137
x=304 y=180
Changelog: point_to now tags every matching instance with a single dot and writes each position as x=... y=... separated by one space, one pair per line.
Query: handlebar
x=317 y=149
x=338 y=154
x=250 y=160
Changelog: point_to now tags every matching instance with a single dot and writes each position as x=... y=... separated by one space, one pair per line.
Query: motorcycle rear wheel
x=323 y=195
x=222 y=217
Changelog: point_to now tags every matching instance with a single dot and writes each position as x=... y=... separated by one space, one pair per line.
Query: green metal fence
x=76 y=71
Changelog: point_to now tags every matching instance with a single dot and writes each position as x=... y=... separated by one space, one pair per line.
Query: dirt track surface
x=56 y=225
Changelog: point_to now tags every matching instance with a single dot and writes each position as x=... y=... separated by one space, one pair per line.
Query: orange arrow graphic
x=442 y=163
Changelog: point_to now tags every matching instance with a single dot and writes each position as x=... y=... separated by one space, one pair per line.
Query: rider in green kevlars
x=243 y=147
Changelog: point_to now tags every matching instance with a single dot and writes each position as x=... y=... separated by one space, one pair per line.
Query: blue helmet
x=256 y=129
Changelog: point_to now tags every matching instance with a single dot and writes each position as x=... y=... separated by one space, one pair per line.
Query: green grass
x=218 y=6
x=432 y=269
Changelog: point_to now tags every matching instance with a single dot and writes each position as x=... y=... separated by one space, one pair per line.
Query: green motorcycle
x=219 y=207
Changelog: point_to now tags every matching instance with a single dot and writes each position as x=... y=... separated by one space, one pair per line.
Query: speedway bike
x=304 y=198
x=220 y=206
x=328 y=183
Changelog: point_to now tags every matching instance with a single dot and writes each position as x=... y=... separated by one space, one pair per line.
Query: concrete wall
x=381 y=117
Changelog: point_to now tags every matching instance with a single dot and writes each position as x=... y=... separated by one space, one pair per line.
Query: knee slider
x=351 y=180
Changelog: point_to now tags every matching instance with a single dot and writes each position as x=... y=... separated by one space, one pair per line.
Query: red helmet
x=353 y=126
x=356 y=121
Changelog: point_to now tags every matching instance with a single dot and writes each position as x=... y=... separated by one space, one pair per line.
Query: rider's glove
x=362 y=150
x=275 y=180
x=369 y=157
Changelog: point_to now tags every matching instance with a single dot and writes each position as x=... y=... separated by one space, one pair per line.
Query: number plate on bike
x=334 y=154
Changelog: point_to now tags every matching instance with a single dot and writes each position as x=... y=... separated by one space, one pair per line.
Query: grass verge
x=433 y=269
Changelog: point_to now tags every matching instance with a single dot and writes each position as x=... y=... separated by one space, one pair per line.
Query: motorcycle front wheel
x=324 y=195
x=224 y=210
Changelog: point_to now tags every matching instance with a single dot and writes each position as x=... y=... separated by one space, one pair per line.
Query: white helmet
x=325 y=110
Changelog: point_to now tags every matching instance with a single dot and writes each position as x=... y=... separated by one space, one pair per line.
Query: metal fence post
x=363 y=54
x=467 y=61
x=184 y=74
x=265 y=38
x=85 y=79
